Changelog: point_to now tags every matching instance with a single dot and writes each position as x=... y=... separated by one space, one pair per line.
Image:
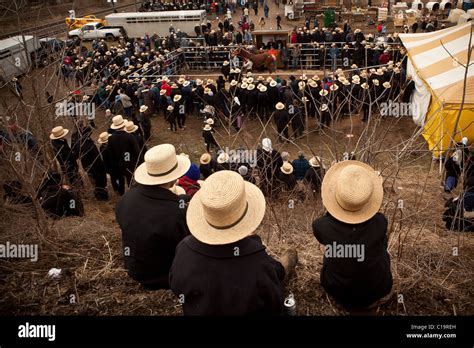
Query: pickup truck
x=96 y=30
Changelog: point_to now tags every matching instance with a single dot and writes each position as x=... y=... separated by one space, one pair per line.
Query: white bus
x=138 y=24
x=15 y=58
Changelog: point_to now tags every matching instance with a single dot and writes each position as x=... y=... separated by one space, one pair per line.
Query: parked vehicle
x=16 y=55
x=137 y=24
x=96 y=30
x=76 y=23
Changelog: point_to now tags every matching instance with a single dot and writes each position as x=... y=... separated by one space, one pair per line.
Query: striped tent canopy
x=437 y=57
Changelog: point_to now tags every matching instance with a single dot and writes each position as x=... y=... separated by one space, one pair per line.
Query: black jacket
x=351 y=282
x=152 y=223
x=124 y=150
x=212 y=280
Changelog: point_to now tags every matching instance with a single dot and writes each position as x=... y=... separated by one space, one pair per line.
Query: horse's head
x=236 y=52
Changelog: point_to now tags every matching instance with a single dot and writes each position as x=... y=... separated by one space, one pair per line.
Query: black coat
x=124 y=150
x=351 y=282
x=152 y=224
x=213 y=281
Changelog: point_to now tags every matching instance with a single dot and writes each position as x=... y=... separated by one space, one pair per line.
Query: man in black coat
x=223 y=268
x=282 y=119
x=64 y=154
x=124 y=153
x=84 y=148
x=356 y=265
x=152 y=218
x=269 y=162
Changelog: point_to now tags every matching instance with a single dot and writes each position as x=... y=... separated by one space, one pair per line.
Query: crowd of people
x=191 y=227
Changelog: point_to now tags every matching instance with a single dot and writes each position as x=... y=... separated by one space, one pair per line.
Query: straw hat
x=324 y=107
x=250 y=87
x=352 y=191
x=177 y=98
x=379 y=72
x=163 y=92
x=375 y=82
x=223 y=158
x=334 y=87
x=205 y=158
x=58 y=133
x=103 y=138
x=365 y=85
x=226 y=62
x=386 y=84
x=186 y=83
x=210 y=121
x=346 y=83
x=250 y=80
x=316 y=78
x=226 y=209
x=315 y=162
x=263 y=88
x=323 y=93
x=118 y=122
x=301 y=85
x=312 y=83
x=130 y=127
x=273 y=83
x=233 y=83
x=161 y=166
x=170 y=108
x=198 y=82
x=207 y=127
x=244 y=85
x=143 y=108
x=286 y=168
x=280 y=106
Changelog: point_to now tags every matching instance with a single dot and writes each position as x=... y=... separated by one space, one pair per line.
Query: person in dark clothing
x=356 y=265
x=286 y=177
x=179 y=111
x=300 y=165
x=282 y=118
x=278 y=19
x=205 y=166
x=246 y=175
x=59 y=200
x=152 y=218
x=314 y=176
x=145 y=122
x=85 y=149
x=206 y=272
x=269 y=162
x=209 y=139
x=124 y=153
x=225 y=70
x=110 y=167
x=64 y=154
x=133 y=129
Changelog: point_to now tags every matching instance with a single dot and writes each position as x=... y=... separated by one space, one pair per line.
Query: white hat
x=58 y=133
x=104 y=138
x=143 y=108
x=324 y=107
x=161 y=166
x=210 y=121
x=267 y=144
x=177 y=98
x=118 y=122
x=280 y=106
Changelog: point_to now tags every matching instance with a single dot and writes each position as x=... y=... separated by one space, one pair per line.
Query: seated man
x=356 y=265
x=152 y=218
x=223 y=268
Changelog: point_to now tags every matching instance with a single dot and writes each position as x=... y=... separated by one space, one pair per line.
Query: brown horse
x=266 y=60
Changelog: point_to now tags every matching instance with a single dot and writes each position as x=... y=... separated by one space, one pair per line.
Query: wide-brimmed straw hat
x=324 y=107
x=170 y=108
x=210 y=121
x=365 y=85
x=177 y=98
x=143 y=108
x=130 y=127
x=118 y=122
x=315 y=161
x=161 y=166
x=207 y=127
x=223 y=158
x=103 y=138
x=163 y=92
x=226 y=209
x=286 y=168
x=58 y=133
x=323 y=92
x=352 y=191
x=273 y=83
x=280 y=106
x=233 y=83
x=386 y=84
x=205 y=158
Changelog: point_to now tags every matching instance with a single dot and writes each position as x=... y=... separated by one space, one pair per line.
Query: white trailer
x=138 y=24
x=15 y=56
